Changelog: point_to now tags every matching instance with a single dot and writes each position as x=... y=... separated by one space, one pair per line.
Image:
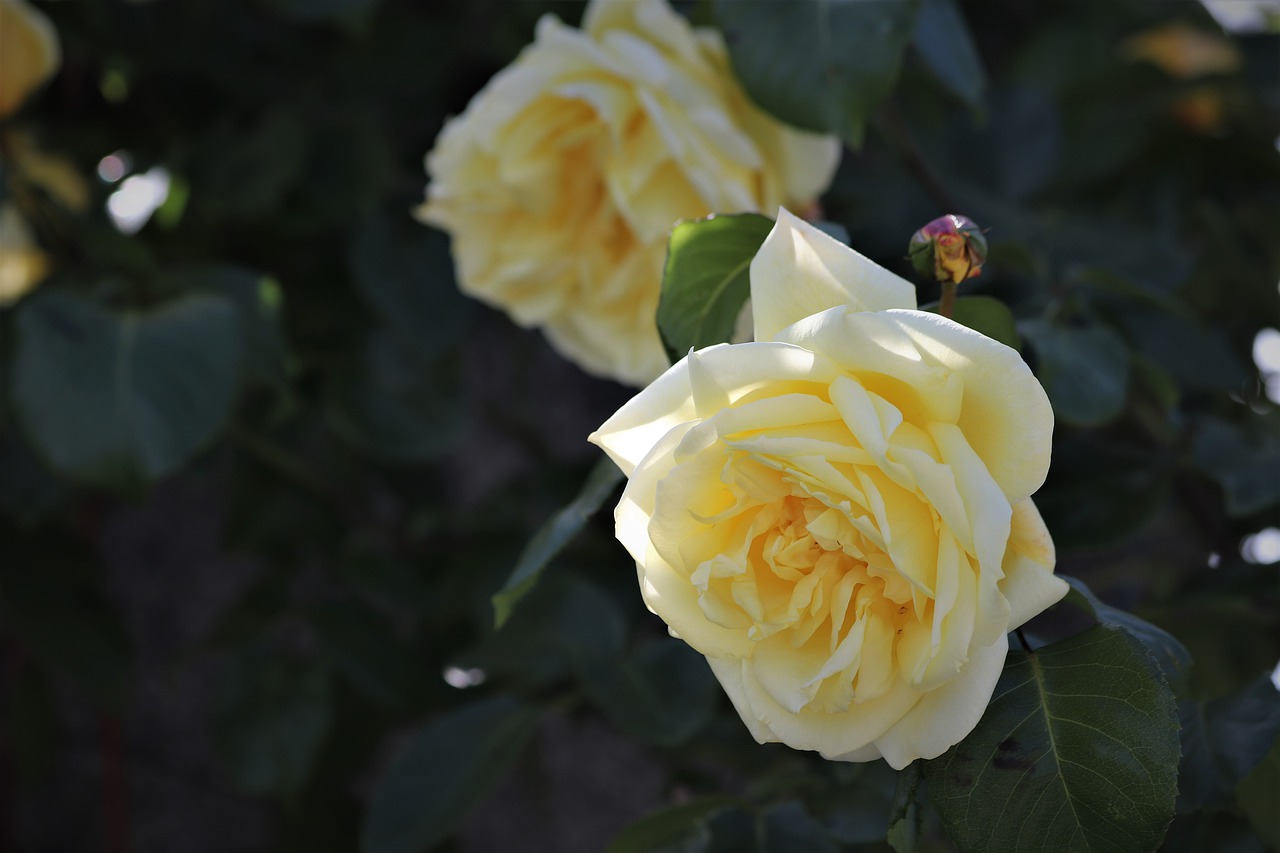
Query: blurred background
x=262 y=468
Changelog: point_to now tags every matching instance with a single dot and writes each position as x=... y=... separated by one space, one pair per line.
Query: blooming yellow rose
x=560 y=182
x=29 y=53
x=838 y=515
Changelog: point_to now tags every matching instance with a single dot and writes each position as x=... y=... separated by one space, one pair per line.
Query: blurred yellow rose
x=22 y=264
x=29 y=53
x=561 y=180
x=838 y=515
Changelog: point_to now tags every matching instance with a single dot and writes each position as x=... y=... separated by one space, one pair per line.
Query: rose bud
x=951 y=247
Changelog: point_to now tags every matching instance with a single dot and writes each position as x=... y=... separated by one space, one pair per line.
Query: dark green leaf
x=1084 y=370
x=271 y=717
x=984 y=314
x=706 y=279
x=789 y=828
x=821 y=65
x=1246 y=463
x=663 y=695
x=679 y=828
x=1223 y=740
x=28 y=490
x=405 y=273
x=1077 y=750
x=122 y=399
x=554 y=535
x=393 y=407
x=364 y=648
x=1259 y=792
x=258 y=300
x=945 y=44
x=245 y=172
x=450 y=765
x=904 y=818
x=1172 y=657
x=1100 y=492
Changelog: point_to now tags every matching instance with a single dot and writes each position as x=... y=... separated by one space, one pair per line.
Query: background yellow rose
x=838 y=515
x=29 y=53
x=561 y=180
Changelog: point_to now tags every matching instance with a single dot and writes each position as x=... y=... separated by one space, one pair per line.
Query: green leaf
x=1246 y=463
x=390 y=405
x=1084 y=370
x=904 y=819
x=1258 y=794
x=364 y=648
x=789 y=828
x=662 y=695
x=271 y=716
x=258 y=301
x=820 y=65
x=120 y=399
x=1223 y=740
x=1170 y=655
x=945 y=44
x=1077 y=750
x=984 y=314
x=405 y=273
x=678 y=828
x=244 y=173
x=32 y=717
x=706 y=279
x=448 y=768
x=554 y=535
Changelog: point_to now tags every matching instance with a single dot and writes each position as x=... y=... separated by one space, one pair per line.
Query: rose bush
x=838 y=515
x=560 y=181
x=29 y=53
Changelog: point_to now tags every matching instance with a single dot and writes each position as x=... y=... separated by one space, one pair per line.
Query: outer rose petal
x=1005 y=414
x=697 y=386
x=1029 y=582
x=800 y=271
x=943 y=717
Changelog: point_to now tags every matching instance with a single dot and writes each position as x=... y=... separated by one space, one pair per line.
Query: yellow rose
x=22 y=264
x=838 y=515
x=560 y=182
x=29 y=53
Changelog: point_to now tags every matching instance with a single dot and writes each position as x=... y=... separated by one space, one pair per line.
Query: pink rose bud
x=950 y=247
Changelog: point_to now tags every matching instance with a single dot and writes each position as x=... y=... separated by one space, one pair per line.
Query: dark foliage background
x=263 y=468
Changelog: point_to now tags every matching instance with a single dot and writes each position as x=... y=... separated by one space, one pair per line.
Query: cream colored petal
x=800 y=271
x=29 y=52
x=1029 y=583
x=809 y=162
x=828 y=734
x=728 y=671
x=729 y=370
x=943 y=717
x=1005 y=415
x=667 y=591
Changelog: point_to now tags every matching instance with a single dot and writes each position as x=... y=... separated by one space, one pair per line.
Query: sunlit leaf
x=706 y=279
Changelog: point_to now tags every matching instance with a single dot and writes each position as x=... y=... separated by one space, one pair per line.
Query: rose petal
x=800 y=271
